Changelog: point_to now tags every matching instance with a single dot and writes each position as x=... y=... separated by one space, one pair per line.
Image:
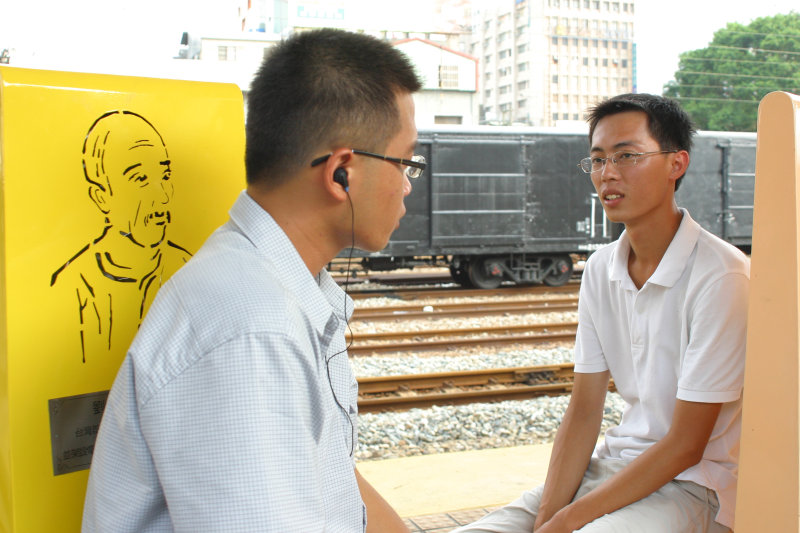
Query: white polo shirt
x=682 y=335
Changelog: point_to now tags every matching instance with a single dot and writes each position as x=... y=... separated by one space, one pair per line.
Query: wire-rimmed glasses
x=623 y=158
x=413 y=167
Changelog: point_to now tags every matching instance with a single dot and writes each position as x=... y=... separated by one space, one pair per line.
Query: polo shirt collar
x=673 y=263
x=319 y=296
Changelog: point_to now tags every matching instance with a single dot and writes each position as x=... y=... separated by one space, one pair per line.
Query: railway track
x=415 y=293
x=450 y=309
x=424 y=390
x=396 y=393
x=448 y=339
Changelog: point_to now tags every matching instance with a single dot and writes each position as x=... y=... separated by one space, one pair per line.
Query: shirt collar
x=675 y=259
x=318 y=296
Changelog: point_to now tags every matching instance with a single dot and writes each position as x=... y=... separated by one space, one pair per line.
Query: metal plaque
x=74 y=422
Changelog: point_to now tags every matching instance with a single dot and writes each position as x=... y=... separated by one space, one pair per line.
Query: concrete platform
x=436 y=493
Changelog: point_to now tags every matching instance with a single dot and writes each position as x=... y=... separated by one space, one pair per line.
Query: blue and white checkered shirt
x=235 y=409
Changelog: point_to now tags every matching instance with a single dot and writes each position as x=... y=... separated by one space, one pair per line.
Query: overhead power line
x=792 y=35
x=723 y=60
x=731 y=75
x=725 y=87
x=751 y=50
x=723 y=100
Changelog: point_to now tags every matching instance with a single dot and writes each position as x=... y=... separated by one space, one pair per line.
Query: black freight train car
x=511 y=203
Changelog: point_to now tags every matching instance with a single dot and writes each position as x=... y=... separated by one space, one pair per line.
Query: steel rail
x=451 y=309
x=394 y=393
x=458 y=292
x=525 y=334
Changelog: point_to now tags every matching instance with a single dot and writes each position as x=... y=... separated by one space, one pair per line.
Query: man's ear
x=680 y=164
x=99 y=196
x=337 y=173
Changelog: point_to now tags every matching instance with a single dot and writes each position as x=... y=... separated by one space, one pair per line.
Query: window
x=448 y=76
x=226 y=53
x=555 y=117
x=444 y=119
x=585 y=61
x=487 y=93
x=555 y=78
x=522 y=103
x=522 y=67
x=565 y=116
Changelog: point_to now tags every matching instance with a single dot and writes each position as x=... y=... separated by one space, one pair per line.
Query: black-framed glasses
x=620 y=159
x=414 y=166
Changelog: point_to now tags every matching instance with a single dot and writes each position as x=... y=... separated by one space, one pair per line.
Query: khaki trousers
x=677 y=507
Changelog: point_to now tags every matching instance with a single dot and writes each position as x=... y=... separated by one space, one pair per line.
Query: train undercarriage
x=489 y=271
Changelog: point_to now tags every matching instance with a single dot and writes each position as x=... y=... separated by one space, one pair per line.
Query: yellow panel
x=109 y=183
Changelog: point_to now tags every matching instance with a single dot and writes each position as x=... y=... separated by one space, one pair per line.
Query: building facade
x=449 y=83
x=545 y=62
x=503 y=62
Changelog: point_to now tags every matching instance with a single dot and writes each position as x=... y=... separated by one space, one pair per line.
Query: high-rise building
x=544 y=62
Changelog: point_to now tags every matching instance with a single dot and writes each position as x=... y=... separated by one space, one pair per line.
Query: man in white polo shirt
x=663 y=312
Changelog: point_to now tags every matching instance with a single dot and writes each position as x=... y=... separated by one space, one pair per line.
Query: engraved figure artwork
x=117 y=273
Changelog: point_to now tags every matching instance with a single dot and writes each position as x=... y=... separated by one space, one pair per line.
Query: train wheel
x=485 y=273
x=562 y=271
x=460 y=275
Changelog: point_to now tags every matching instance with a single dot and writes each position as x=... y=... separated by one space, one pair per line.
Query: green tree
x=721 y=85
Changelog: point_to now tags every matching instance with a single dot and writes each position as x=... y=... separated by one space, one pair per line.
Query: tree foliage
x=721 y=85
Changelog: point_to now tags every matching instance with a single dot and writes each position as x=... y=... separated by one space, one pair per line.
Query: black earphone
x=340 y=177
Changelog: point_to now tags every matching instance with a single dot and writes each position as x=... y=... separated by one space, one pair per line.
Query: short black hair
x=669 y=124
x=322 y=89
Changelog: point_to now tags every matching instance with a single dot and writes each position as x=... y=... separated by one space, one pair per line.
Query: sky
x=134 y=37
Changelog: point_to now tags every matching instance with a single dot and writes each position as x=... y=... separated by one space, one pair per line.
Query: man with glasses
x=663 y=312
x=235 y=409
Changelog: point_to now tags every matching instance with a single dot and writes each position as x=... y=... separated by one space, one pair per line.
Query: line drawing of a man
x=117 y=274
